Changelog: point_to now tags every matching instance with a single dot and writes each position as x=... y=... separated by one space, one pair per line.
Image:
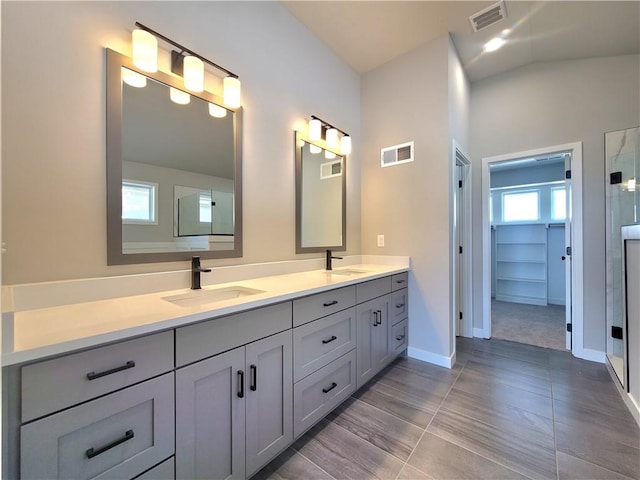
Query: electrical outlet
x=381 y=240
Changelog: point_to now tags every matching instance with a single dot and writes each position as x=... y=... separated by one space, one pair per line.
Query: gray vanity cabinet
x=233 y=410
x=373 y=333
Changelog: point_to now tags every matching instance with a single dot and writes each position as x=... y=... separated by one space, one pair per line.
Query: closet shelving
x=521 y=263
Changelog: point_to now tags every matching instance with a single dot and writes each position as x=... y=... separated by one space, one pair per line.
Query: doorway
x=462 y=321
x=523 y=252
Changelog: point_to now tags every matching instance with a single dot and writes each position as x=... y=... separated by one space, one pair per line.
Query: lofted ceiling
x=367 y=34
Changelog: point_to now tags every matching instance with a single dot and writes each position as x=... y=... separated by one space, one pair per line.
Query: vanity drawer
x=218 y=335
x=399 y=336
x=399 y=280
x=165 y=471
x=62 y=382
x=117 y=436
x=318 y=343
x=322 y=304
x=399 y=305
x=322 y=391
x=375 y=288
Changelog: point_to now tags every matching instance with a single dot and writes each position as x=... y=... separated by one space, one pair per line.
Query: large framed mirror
x=321 y=207
x=174 y=169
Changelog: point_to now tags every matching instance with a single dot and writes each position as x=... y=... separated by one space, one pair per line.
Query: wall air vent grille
x=396 y=154
x=487 y=17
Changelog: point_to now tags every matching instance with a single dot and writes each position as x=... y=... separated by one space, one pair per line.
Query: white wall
x=53 y=121
x=555 y=103
x=409 y=99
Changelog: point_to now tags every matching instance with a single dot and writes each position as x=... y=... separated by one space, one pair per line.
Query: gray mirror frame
x=300 y=137
x=115 y=256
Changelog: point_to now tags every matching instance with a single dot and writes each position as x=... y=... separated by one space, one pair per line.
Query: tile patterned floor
x=505 y=411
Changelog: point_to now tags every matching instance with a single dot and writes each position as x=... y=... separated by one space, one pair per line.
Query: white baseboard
x=431 y=357
x=478 y=333
x=591 y=355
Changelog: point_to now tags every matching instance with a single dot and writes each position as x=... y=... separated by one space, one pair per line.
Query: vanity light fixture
x=315 y=129
x=217 y=111
x=190 y=65
x=314 y=149
x=178 y=96
x=133 y=79
x=319 y=129
x=144 y=50
x=329 y=155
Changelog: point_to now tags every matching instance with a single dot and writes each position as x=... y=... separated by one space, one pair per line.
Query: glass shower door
x=622 y=153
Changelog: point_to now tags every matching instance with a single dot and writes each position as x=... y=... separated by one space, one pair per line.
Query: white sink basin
x=346 y=272
x=213 y=295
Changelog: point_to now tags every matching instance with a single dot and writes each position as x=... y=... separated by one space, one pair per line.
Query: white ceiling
x=367 y=34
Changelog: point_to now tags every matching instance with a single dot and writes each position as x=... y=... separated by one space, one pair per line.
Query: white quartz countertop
x=42 y=332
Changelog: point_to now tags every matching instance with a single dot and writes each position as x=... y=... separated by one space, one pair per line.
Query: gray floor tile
x=498 y=414
x=512 y=365
x=385 y=431
x=428 y=393
x=514 y=378
x=572 y=468
x=290 y=465
x=411 y=473
x=592 y=446
x=494 y=391
x=345 y=455
x=619 y=428
x=441 y=459
x=533 y=457
x=405 y=405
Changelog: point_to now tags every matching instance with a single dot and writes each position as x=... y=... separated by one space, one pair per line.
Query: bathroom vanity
x=192 y=389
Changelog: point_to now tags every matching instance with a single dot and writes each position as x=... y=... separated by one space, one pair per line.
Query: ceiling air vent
x=487 y=17
x=396 y=154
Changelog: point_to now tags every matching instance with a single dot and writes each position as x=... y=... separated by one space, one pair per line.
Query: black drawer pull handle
x=375 y=318
x=333 y=337
x=400 y=305
x=126 y=366
x=400 y=281
x=240 y=384
x=400 y=337
x=335 y=302
x=327 y=390
x=254 y=378
x=379 y=317
x=91 y=452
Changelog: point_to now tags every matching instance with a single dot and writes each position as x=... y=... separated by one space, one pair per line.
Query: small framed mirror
x=321 y=210
x=174 y=169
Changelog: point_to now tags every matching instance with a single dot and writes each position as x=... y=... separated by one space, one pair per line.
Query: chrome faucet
x=329 y=257
x=196 y=270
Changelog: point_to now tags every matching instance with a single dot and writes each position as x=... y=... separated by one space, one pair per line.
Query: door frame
x=577 y=261
x=460 y=158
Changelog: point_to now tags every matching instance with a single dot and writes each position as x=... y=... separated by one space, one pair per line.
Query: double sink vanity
x=210 y=383
x=128 y=377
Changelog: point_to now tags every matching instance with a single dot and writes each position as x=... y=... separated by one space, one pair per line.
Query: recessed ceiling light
x=493 y=44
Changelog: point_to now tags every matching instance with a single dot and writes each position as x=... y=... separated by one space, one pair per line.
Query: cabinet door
x=269 y=407
x=210 y=418
x=366 y=339
x=384 y=345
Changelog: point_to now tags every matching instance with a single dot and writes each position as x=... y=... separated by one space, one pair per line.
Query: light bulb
x=217 y=111
x=144 y=50
x=345 y=145
x=332 y=138
x=178 y=96
x=329 y=155
x=193 y=72
x=314 y=148
x=231 y=93
x=631 y=185
x=493 y=44
x=315 y=129
x=133 y=79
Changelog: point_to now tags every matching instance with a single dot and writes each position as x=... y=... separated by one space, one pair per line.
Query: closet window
x=139 y=202
x=522 y=206
x=558 y=203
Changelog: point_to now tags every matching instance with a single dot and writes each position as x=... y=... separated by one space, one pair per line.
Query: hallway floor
x=506 y=410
